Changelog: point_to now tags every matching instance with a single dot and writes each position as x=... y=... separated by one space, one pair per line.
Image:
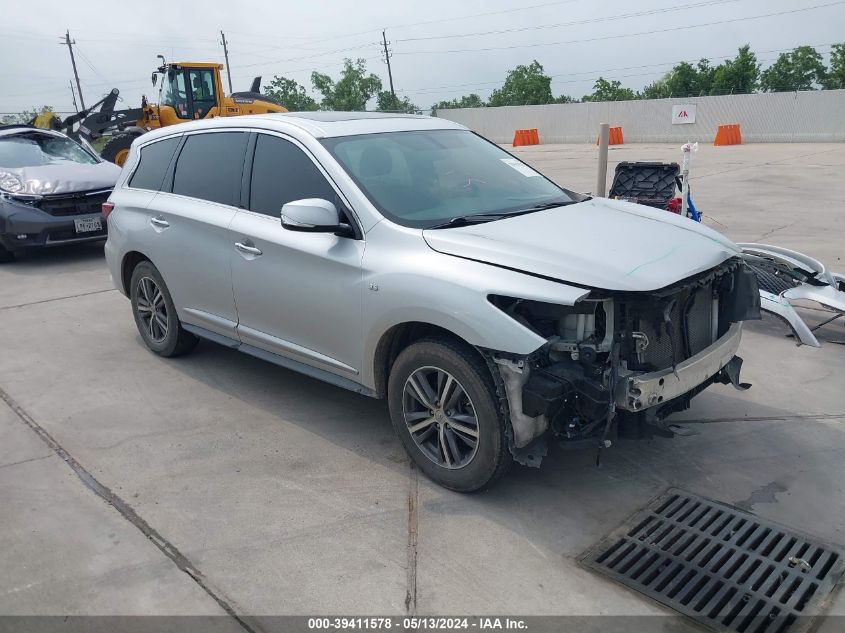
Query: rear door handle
x=160 y=222
x=248 y=249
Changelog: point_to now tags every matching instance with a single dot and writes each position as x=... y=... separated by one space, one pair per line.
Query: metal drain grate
x=723 y=567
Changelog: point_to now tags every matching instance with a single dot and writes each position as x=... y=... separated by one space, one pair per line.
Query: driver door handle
x=246 y=248
x=159 y=222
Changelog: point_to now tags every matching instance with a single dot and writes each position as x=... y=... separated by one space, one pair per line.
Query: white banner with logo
x=684 y=113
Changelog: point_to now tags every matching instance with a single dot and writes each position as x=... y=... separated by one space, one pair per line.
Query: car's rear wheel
x=155 y=314
x=443 y=405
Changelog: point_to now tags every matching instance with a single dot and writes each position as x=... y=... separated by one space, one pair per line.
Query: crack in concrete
x=81 y=294
x=128 y=513
x=26 y=461
x=413 y=527
x=774 y=230
x=769 y=418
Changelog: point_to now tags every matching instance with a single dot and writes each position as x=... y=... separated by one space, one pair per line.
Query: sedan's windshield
x=424 y=178
x=35 y=149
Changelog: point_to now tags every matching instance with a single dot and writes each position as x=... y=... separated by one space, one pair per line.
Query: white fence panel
x=784 y=117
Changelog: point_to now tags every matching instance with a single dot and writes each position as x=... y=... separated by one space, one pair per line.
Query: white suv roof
x=320 y=124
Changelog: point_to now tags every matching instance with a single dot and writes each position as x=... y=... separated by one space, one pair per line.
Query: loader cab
x=189 y=92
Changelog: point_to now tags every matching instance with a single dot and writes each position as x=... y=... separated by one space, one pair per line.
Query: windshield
x=35 y=149
x=423 y=178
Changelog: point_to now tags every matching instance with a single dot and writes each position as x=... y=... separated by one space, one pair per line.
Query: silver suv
x=407 y=258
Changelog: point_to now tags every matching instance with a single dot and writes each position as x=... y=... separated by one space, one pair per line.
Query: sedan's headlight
x=10 y=183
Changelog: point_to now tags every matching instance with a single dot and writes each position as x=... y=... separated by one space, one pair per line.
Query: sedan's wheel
x=440 y=417
x=155 y=314
x=152 y=310
x=444 y=407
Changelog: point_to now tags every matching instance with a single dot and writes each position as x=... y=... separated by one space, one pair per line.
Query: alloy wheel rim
x=440 y=417
x=152 y=309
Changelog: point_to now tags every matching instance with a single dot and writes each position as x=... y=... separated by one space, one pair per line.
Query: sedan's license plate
x=87 y=225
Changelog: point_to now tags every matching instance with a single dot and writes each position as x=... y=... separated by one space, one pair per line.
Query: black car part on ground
x=649 y=183
x=574 y=384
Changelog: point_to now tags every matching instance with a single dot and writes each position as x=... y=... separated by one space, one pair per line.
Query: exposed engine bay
x=618 y=363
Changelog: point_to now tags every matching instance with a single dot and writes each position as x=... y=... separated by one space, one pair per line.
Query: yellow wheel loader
x=188 y=91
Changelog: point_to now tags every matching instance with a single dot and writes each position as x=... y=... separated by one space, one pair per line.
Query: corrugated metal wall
x=785 y=117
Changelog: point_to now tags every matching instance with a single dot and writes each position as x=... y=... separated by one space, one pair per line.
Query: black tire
x=171 y=340
x=6 y=255
x=117 y=147
x=491 y=457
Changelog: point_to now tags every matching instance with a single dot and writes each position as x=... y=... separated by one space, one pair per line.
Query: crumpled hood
x=598 y=243
x=65 y=178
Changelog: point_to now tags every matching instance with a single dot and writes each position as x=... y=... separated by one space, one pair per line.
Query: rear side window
x=210 y=166
x=153 y=164
x=281 y=173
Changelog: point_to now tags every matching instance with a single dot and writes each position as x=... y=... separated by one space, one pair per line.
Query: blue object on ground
x=693 y=214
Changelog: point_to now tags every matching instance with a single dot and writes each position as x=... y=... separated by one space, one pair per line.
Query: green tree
x=565 y=99
x=387 y=102
x=738 y=75
x=835 y=76
x=657 y=89
x=351 y=92
x=800 y=69
x=604 y=90
x=467 y=101
x=290 y=94
x=524 y=85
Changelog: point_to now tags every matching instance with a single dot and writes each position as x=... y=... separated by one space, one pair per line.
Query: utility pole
x=226 y=55
x=73 y=95
x=69 y=45
x=387 y=61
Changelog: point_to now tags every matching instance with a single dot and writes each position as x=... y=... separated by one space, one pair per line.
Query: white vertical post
x=601 y=180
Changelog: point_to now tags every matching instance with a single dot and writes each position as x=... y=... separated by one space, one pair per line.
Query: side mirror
x=154 y=78
x=313 y=215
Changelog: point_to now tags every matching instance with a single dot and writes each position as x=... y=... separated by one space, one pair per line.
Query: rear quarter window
x=153 y=163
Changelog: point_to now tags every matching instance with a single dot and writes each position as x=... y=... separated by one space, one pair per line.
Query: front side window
x=210 y=166
x=423 y=178
x=282 y=173
x=36 y=149
x=173 y=93
x=202 y=91
x=153 y=164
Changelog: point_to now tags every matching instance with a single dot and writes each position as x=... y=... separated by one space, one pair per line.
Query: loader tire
x=116 y=150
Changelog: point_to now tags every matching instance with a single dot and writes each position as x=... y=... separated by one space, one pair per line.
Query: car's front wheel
x=155 y=314
x=443 y=405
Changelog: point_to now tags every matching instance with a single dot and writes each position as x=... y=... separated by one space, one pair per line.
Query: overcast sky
x=438 y=46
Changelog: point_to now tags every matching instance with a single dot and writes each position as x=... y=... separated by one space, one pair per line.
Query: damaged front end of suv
x=617 y=363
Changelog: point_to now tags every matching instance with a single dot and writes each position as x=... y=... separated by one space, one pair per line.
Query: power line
x=610 y=18
x=296 y=59
x=623 y=35
x=427 y=22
